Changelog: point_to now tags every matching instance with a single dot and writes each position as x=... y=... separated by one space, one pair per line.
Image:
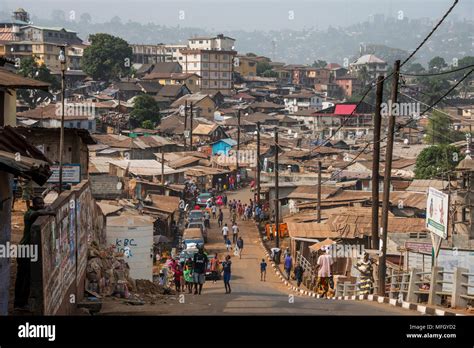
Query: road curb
x=372 y=298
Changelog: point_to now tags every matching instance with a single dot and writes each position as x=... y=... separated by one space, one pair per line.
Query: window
x=205 y=65
x=224 y=83
x=225 y=57
x=216 y=65
x=205 y=56
x=200 y=41
x=89 y=125
x=78 y=124
x=195 y=65
x=215 y=83
x=194 y=56
x=71 y=125
x=205 y=83
x=205 y=73
x=217 y=57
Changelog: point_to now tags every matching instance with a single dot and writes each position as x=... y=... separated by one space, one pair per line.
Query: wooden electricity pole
x=386 y=181
x=319 y=191
x=277 y=193
x=376 y=164
x=238 y=143
x=191 y=129
x=163 y=170
x=185 y=122
x=258 y=162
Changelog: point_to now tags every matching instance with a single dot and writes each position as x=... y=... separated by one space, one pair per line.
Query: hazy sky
x=244 y=14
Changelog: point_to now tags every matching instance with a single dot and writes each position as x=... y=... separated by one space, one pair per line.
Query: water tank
x=133 y=235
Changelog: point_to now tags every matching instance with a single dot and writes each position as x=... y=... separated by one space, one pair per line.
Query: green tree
x=415 y=68
x=262 y=67
x=29 y=67
x=319 y=64
x=436 y=64
x=270 y=73
x=148 y=124
x=145 y=108
x=434 y=88
x=251 y=54
x=435 y=161
x=107 y=58
x=440 y=129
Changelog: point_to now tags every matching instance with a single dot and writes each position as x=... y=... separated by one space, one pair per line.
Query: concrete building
x=213 y=60
x=373 y=65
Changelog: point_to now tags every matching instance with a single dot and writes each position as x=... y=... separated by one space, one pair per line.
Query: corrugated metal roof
x=167 y=204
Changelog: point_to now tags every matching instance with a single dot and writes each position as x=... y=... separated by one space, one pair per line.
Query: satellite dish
x=296 y=135
x=406 y=141
x=289 y=131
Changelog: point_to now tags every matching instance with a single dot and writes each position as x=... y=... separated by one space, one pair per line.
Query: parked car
x=187 y=253
x=203 y=198
x=195 y=215
x=199 y=224
x=192 y=236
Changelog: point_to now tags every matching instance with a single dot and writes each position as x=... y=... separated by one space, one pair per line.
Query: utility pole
x=191 y=130
x=238 y=143
x=376 y=164
x=258 y=163
x=63 y=61
x=387 y=177
x=319 y=191
x=185 y=122
x=163 y=170
x=277 y=193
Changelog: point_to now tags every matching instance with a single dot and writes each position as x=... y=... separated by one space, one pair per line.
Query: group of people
x=191 y=273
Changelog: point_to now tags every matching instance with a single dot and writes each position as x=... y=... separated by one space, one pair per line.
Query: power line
x=390 y=75
x=431 y=33
x=439 y=73
x=403 y=125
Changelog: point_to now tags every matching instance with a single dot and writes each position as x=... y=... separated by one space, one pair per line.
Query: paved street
x=250 y=295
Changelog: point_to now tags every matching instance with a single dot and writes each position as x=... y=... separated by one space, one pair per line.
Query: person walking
x=299 y=271
x=240 y=246
x=199 y=269
x=207 y=219
x=225 y=232
x=288 y=265
x=220 y=218
x=23 y=272
x=214 y=268
x=263 y=270
x=214 y=211
x=226 y=269
x=187 y=274
x=228 y=244
x=178 y=274
x=235 y=233
x=234 y=217
x=325 y=263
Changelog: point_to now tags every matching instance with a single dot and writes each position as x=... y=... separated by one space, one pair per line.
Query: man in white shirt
x=225 y=232
x=325 y=263
x=235 y=233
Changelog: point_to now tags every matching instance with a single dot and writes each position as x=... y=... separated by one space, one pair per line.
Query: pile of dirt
x=146 y=287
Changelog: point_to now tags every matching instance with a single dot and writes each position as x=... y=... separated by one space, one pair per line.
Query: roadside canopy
x=318 y=246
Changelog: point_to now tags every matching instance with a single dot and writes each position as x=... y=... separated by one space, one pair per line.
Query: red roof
x=344 y=109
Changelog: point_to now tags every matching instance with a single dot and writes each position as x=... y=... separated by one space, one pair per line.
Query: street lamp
x=62 y=60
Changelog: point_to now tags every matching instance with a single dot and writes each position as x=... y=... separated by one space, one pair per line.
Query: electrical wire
x=439 y=73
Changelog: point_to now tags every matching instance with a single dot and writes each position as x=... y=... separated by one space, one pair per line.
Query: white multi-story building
x=219 y=43
x=212 y=59
x=373 y=65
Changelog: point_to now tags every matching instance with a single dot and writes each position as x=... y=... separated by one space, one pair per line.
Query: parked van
x=192 y=236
